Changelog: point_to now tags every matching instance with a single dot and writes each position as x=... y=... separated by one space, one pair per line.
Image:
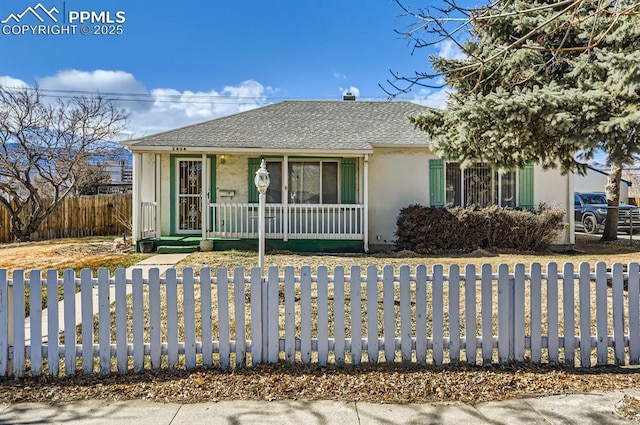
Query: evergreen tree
x=543 y=82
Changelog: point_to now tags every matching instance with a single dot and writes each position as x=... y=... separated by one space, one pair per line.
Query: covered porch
x=314 y=203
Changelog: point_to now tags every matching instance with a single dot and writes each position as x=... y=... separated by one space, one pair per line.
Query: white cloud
x=433 y=98
x=155 y=110
x=351 y=89
x=98 y=80
x=450 y=50
x=6 y=81
x=339 y=75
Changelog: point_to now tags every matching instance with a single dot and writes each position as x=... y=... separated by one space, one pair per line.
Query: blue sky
x=191 y=61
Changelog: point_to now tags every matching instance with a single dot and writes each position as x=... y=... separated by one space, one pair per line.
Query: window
x=479 y=184
x=310 y=182
x=313 y=182
x=274 y=193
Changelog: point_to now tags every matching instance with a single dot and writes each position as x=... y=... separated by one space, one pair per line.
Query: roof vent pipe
x=348 y=96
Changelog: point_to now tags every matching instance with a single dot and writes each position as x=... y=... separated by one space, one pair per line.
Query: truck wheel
x=590 y=224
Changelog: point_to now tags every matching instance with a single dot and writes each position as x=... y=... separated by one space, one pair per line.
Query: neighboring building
x=340 y=172
x=595 y=181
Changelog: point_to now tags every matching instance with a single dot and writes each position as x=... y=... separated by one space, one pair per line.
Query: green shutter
x=526 y=187
x=348 y=184
x=254 y=165
x=436 y=182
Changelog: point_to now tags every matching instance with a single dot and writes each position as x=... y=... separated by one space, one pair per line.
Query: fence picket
x=405 y=313
x=69 y=278
x=121 y=320
x=568 y=281
x=372 y=314
x=388 y=313
x=421 y=314
x=602 y=334
x=487 y=316
x=323 y=315
x=171 y=295
x=104 y=321
x=505 y=317
x=138 y=320
x=454 y=314
x=617 y=288
x=241 y=326
x=155 y=321
x=518 y=313
x=470 y=325
x=339 y=315
x=273 y=287
x=584 y=294
x=552 y=313
x=256 y=314
x=223 y=317
x=355 y=294
x=305 y=314
x=188 y=291
x=35 y=321
x=633 y=293
x=289 y=314
x=438 y=314
x=18 y=331
x=206 y=329
x=53 y=347
x=86 y=306
x=535 y=306
x=4 y=322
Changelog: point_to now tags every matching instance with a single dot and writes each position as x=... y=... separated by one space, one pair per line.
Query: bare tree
x=44 y=148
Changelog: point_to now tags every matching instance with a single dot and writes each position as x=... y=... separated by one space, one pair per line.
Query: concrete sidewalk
x=159 y=261
x=583 y=409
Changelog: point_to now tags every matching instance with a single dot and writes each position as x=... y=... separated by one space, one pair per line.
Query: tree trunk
x=612 y=190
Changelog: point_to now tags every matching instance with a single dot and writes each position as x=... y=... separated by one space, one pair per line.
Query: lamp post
x=262 y=183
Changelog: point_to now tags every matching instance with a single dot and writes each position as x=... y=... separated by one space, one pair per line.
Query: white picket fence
x=422 y=316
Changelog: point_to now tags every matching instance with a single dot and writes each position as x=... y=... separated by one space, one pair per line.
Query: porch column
x=285 y=199
x=365 y=213
x=158 y=195
x=204 y=194
x=137 y=188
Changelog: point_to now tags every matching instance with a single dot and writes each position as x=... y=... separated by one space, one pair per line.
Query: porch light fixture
x=262 y=184
x=262 y=179
x=223 y=159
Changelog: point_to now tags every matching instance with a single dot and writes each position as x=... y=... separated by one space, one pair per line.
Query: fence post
x=5 y=320
x=512 y=318
x=256 y=316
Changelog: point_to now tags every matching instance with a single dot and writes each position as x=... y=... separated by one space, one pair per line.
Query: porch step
x=177 y=249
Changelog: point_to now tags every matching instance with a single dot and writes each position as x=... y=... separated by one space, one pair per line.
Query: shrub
x=431 y=230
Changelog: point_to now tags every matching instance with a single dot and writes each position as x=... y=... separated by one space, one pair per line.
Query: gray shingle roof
x=301 y=125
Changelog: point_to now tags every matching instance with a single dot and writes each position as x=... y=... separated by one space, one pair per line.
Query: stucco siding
x=556 y=190
x=398 y=177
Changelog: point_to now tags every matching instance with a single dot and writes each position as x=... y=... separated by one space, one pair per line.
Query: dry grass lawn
x=61 y=254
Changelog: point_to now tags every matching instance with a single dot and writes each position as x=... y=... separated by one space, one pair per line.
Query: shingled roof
x=300 y=125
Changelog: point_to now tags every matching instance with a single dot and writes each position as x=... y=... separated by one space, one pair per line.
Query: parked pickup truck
x=591 y=212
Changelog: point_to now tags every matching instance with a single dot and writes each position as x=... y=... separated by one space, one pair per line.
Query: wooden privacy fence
x=77 y=216
x=467 y=315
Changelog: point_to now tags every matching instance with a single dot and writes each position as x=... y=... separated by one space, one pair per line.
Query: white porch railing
x=148 y=216
x=300 y=221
